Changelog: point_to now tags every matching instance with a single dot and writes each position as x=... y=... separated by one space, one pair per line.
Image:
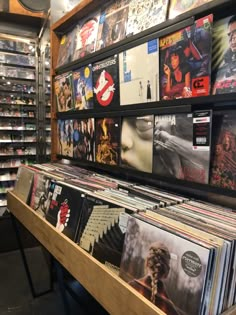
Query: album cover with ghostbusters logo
x=106 y=83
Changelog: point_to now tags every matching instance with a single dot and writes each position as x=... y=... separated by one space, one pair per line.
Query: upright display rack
x=18 y=111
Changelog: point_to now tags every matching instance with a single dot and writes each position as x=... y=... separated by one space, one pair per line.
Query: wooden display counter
x=115 y=295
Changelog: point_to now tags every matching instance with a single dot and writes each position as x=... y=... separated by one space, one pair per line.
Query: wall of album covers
x=108 y=109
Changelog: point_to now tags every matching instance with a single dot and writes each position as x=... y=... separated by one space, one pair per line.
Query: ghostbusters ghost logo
x=104 y=88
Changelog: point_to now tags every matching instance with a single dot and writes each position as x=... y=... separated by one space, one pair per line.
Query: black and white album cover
x=106 y=83
x=174 y=152
x=137 y=142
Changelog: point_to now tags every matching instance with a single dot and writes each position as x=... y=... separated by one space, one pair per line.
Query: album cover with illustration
x=106 y=83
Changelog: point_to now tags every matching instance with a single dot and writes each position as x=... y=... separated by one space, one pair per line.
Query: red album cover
x=107 y=140
x=178 y=7
x=224 y=56
x=223 y=171
x=86 y=36
x=185 y=61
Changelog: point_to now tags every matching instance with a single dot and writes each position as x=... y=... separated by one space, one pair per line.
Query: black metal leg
x=62 y=287
x=33 y=292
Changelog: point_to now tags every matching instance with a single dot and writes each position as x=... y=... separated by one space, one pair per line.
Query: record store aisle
x=16 y=297
x=15 y=294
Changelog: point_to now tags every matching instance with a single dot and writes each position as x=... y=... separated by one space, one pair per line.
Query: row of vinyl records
x=179 y=146
x=177 y=252
x=187 y=63
x=115 y=21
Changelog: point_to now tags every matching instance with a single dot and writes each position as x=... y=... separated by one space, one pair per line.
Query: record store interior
x=118 y=157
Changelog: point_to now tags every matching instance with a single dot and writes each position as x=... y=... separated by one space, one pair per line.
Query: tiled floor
x=15 y=294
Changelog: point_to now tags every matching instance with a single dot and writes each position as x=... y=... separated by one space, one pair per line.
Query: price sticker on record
x=202 y=130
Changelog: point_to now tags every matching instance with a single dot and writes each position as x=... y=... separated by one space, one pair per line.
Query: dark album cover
x=144 y=14
x=139 y=74
x=41 y=194
x=86 y=36
x=106 y=83
x=65 y=209
x=112 y=24
x=107 y=143
x=100 y=232
x=185 y=61
x=83 y=88
x=165 y=268
x=223 y=169
x=84 y=139
x=174 y=152
x=63 y=87
x=65 y=137
x=178 y=7
x=66 y=48
x=137 y=143
x=224 y=56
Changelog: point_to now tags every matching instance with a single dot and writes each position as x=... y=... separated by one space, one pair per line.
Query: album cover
x=63 y=87
x=185 y=61
x=168 y=270
x=112 y=24
x=23 y=183
x=178 y=7
x=83 y=88
x=65 y=137
x=106 y=83
x=84 y=139
x=101 y=231
x=224 y=56
x=66 y=48
x=65 y=208
x=145 y=14
x=223 y=168
x=174 y=152
x=41 y=194
x=86 y=36
x=137 y=143
x=107 y=141
x=139 y=74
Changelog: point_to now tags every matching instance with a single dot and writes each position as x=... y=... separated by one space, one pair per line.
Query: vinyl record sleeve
x=66 y=48
x=65 y=208
x=185 y=61
x=139 y=74
x=40 y=196
x=65 y=137
x=137 y=143
x=63 y=87
x=224 y=56
x=174 y=153
x=106 y=83
x=144 y=14
x=107 y=141
x=23 y=184
x=86 y=36
x=178 y=276
x=178 y=7
x=84 y=139
x=223 y=168
x=112 y=23
x=83 y=88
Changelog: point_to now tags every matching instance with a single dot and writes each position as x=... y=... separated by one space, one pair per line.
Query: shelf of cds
x=18 y=109
x=142 y=243
x=145 y=90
